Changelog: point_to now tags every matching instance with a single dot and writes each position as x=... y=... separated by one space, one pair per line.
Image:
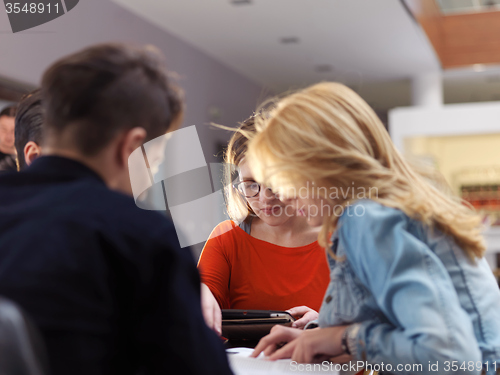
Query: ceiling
x=466 y=6
x=374 y=46
x=359 y=40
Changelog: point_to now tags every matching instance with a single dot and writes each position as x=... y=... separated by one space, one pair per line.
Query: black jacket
x=106 y=282
x=7 y=163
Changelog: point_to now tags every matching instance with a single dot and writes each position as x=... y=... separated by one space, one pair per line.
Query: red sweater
x=247 y=273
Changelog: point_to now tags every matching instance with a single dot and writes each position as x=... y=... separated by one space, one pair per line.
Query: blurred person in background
x=7 y=148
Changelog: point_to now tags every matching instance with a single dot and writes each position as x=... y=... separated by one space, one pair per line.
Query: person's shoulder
x=224 y=229
x=369 y=209
x=226 y=225
x=116 y=212
x=120 y=206
x=368 y=232
x=367 y=214
x=8 y=163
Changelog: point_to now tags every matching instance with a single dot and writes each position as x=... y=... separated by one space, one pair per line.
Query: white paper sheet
x=241 y=364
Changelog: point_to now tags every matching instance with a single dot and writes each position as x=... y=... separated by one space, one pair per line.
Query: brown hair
x=9 y=111
x=237 y=206
x=101 y=90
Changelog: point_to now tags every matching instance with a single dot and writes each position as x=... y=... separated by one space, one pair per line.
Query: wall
x=461 y=159
x=447 y=120
x=460 y=123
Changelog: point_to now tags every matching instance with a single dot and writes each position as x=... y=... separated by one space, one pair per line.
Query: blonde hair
x=326 y=134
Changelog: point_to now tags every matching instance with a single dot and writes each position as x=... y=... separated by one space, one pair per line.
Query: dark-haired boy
x=107 y=283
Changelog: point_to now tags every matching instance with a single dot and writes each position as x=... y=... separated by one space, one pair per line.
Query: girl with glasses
x=271 y=260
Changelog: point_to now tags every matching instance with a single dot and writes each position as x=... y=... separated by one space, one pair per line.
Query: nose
x=288 y=201
x=266 y=194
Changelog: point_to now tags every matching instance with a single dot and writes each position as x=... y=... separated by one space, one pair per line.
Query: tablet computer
x=252 y=324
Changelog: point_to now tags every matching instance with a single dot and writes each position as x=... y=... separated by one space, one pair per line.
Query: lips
x=269 y=210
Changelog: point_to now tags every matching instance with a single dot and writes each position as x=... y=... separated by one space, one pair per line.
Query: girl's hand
x=279 y=335
x=303 y=315
x=211 y=310
x=313 y=345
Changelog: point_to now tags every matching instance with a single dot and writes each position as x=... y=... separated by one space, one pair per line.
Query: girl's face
x=308 y=203
x=265 y=204
x=314 y=209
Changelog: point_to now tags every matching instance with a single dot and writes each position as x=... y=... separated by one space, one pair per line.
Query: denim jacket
x=411 y=295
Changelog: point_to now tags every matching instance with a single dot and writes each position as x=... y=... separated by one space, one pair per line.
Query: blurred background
x=430 y=69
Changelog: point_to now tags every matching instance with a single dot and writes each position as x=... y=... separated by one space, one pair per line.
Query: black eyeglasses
x=248 y=188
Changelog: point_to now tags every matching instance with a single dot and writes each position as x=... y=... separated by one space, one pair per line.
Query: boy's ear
x=31 y=152
x=132 y=139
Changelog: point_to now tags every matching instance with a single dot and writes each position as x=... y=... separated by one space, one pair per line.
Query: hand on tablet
x=303 y=315
x=314 y=345
x=279 y=336
x=211 y=309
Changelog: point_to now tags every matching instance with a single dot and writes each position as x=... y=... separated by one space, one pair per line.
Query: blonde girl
x=409 y=284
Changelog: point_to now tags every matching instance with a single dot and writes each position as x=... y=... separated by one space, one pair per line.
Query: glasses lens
x=249 y=188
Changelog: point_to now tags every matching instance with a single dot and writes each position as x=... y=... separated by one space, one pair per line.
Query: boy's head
x=103 y=102
x=28 y=129
x=92 y=95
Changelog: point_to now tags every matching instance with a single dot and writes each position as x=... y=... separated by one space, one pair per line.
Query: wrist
x=343 y=342
x=349 y=340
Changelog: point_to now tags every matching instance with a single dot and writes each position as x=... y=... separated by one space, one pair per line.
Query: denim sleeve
x=312 y=324
x=425 y=323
